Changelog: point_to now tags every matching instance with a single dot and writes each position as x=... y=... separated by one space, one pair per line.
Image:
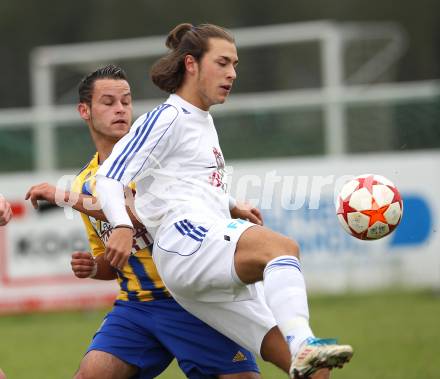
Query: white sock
x=285 y=292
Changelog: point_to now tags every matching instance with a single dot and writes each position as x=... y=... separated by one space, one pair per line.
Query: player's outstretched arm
x=5 y=211
x=85 y=266
x=89 y=205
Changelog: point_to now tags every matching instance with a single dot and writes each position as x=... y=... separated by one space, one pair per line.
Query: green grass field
x=395 y=335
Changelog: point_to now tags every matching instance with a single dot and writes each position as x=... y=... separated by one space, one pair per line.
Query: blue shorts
x=150 y=334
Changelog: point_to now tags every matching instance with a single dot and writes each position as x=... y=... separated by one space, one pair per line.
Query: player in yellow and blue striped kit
x=146 y=327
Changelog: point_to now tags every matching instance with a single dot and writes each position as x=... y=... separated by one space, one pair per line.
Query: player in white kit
x=208 y=260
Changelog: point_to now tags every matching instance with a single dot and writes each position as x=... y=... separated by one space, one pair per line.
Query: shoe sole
x=318 y=363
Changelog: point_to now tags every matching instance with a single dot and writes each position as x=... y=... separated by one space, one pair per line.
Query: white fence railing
x=333 y=97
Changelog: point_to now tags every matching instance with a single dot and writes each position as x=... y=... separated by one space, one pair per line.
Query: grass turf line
x=395 y=336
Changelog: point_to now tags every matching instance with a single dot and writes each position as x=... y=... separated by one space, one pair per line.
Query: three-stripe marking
x=136 y=142
x=187 y=229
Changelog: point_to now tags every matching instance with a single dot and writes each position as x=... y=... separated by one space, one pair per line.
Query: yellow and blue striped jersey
x=139 y=279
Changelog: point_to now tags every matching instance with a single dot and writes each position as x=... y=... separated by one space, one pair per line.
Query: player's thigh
x=101 y=365
x=256 y=247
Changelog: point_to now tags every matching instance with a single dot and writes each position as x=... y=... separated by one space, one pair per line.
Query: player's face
x=111 y=108
x=217 y=72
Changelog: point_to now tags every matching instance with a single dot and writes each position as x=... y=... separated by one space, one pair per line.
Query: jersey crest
x=218 y=177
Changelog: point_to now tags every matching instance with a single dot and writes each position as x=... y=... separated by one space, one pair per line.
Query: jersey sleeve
x=144 y=146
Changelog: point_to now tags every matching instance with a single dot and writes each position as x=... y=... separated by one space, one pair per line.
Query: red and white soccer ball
x=369 y=207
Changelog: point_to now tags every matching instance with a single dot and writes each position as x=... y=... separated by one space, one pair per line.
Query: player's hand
x=118 y=247
x=42 y=191
x=246 y=211
x=5 y=211
x=83 y=264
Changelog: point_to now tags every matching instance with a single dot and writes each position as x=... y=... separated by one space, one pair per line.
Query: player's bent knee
x=286 y=246
x=256 y=248
x=264 y=244
x=293 y=248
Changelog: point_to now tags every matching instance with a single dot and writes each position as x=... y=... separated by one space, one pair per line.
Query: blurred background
x=325 y=89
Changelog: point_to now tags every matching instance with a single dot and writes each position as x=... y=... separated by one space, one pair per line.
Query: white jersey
x=173 y=155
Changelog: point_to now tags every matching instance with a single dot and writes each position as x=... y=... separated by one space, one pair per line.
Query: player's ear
x=191 y=64
x=84 y=111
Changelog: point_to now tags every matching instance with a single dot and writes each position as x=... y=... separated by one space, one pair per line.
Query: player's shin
x=285 y=293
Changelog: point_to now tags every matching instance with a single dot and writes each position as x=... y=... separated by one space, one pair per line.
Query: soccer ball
x=369 y=207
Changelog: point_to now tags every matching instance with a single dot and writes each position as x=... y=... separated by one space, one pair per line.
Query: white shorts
x=196 y=263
